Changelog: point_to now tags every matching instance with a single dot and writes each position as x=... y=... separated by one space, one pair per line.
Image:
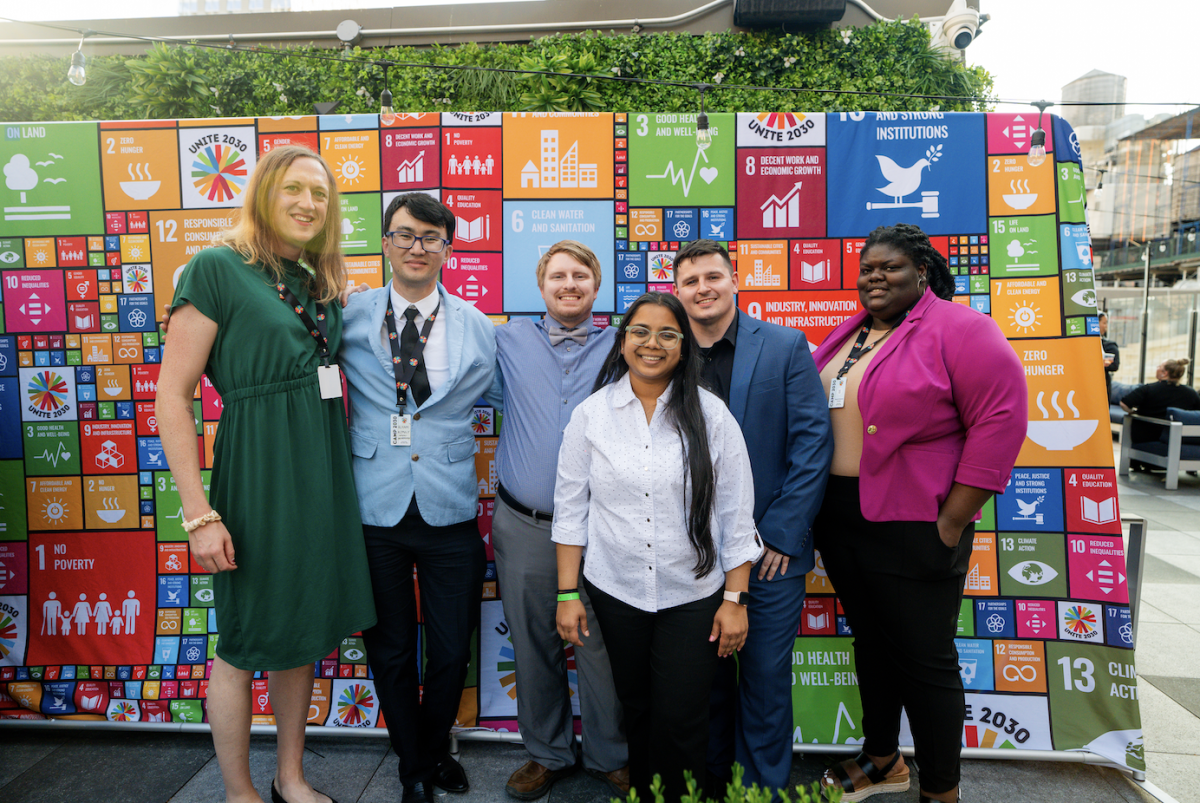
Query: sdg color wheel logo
x=355 y=706
x=47 y=392
x=219 y=172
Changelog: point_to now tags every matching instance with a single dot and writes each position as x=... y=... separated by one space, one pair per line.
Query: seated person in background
x=1112 y=352
x=1153 y=398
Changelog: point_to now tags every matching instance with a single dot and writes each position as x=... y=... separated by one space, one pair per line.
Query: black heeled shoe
x=276 y=797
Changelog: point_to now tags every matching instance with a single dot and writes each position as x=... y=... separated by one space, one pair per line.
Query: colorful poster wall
x=103 y=613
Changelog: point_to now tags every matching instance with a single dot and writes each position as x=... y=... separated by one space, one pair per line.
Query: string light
x=1037 y=143
x=77 y=74
x=387 y=115
x=703 y=133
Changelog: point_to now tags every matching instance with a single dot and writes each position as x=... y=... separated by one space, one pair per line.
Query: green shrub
x=736 y=792
x=188 y=81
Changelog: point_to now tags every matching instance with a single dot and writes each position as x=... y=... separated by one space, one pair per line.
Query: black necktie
x=409 y=338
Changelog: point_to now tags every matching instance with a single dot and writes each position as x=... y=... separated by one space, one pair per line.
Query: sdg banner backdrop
x=103 y=612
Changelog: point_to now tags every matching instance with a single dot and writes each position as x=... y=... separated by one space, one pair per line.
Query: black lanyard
x=319 y=328
x=404 y=373
x=858 y=350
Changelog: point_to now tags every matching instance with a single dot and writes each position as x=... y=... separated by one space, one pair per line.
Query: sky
x=1035 y=47
x=1031 y=47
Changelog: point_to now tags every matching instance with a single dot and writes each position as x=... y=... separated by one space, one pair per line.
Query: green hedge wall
x=172 y=81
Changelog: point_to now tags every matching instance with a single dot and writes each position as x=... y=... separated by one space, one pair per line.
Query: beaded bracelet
x=207 y=518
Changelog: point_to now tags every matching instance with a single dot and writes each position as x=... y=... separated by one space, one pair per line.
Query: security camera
x=961 y=24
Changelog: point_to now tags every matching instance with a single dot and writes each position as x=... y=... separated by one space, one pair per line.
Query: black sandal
x=877 y=776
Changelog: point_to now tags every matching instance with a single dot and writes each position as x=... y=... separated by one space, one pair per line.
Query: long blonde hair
x=254 y=236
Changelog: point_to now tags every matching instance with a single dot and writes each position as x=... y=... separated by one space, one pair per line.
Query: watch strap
x=737 y=597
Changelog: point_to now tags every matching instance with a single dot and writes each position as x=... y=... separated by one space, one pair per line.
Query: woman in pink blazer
x=929 y=407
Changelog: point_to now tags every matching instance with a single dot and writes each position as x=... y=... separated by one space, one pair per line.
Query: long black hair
x=914 y=244
x=687 y=417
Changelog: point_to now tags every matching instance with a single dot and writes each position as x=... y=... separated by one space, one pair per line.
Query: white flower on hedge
x=616 y=70
x=847 y=35
x=362 y=90
x=789 y=61
x=278 y=87
x=718 y=78
x=283 y=98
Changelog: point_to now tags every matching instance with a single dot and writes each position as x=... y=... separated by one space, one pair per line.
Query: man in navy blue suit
x=766 y=374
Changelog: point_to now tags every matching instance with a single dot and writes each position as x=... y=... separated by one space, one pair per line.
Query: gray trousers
x=528 y=571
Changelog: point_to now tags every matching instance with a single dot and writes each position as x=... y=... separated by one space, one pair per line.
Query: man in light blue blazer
x=766 y=374
x=417 y=360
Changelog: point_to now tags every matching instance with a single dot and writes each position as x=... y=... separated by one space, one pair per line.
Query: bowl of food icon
x=1061 y=436
x=111 y=516
x=142 y=190
x=1022 y=200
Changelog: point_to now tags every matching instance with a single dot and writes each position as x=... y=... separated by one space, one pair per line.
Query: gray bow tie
x=558 y=334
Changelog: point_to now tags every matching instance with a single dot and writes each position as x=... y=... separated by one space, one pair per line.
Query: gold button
x=871 y=430
x=416 y=457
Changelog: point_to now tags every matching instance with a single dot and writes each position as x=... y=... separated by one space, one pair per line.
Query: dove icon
x=904 y=181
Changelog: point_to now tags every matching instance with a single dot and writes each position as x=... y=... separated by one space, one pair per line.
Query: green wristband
x=568 y=597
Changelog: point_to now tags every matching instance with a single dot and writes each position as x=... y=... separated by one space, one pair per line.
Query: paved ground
x=113 y=767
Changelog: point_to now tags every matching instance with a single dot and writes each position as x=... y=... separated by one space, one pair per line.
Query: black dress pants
x=451 y=563
x=662 y=665
x=901 y=588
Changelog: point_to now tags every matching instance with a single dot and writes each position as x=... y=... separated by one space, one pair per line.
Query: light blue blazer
x=439 y=466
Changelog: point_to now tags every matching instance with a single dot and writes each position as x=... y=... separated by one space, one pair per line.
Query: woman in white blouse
x=654 y=480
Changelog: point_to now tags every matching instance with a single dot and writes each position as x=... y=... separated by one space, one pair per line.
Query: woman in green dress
x=258 y=315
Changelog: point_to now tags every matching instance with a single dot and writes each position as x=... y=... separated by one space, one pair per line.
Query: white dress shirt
x=620 y=493
x=437 y=352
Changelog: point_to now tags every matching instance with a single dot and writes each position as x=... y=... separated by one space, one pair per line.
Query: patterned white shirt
x=620 y=493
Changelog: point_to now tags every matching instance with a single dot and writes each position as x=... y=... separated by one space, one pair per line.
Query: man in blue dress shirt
x=547 y=367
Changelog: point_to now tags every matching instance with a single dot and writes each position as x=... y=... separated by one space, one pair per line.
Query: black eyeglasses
x=406 y=240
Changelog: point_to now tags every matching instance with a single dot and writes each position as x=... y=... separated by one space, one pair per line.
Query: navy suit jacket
x=778 y=400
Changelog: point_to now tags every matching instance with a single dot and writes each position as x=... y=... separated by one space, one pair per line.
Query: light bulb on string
x=387 y=115
x=703 y=132
x=77 y=74
x=1037 y=143
x=1037 y=148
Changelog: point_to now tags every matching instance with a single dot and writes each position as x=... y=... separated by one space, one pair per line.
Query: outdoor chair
x=1177 y=449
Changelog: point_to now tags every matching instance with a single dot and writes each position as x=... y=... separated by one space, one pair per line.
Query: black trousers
x=662 y=665
x=901 y=588
x=451 y=562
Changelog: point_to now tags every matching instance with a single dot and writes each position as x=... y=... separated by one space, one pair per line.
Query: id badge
x=401 y=430
x=837 y=392
x=329 y=377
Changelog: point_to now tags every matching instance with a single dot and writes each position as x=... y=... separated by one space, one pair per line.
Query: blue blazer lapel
x=745 y=357
x=381 y=349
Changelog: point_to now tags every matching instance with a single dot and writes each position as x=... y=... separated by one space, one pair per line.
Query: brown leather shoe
x=617 y=780
x=533 y=780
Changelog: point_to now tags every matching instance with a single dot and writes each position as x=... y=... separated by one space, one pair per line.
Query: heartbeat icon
x=708 y=174
x=59 y=453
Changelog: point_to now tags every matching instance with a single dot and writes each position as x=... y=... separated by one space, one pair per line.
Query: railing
x=1162 y=251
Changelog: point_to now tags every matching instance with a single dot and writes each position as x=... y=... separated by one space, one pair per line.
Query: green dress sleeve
x=201 y=281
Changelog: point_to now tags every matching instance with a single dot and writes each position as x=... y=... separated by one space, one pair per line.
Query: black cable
x=601 y=77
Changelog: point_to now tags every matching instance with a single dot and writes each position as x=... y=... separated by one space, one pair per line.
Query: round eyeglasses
x=666 y=339
x=403 y=239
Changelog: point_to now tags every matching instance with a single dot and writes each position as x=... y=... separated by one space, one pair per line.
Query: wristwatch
x=738 y=597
